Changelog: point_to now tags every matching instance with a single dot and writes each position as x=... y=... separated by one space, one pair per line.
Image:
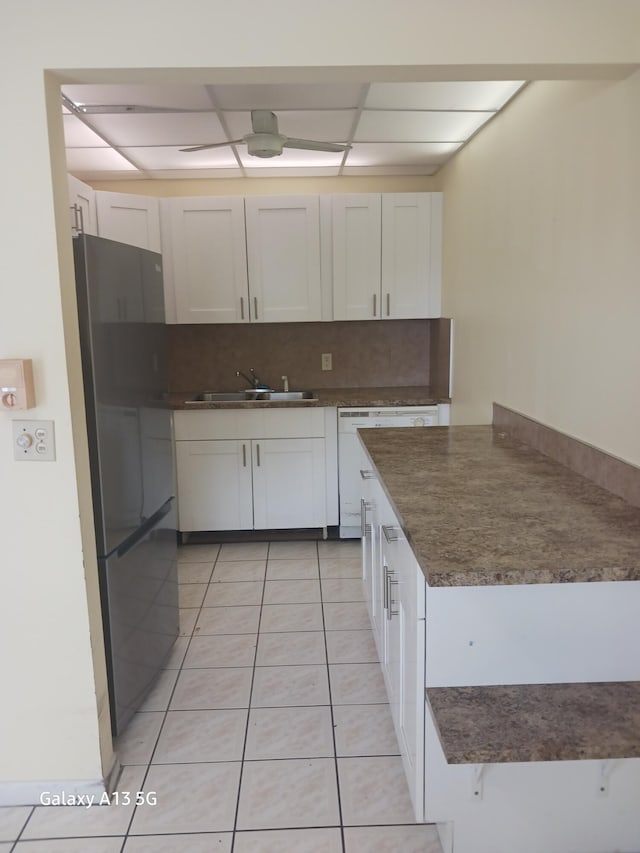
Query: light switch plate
x=34 y=441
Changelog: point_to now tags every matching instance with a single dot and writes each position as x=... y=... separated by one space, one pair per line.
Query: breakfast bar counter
x=480 y=508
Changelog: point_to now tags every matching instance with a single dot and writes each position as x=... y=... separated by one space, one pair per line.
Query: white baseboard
x=36 y=793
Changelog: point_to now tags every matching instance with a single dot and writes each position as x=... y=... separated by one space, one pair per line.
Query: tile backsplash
x=365 y=353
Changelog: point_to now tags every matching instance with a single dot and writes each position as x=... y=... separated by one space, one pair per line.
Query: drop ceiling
x=136 y=131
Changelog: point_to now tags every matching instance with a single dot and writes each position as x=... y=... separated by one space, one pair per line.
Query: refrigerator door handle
x=138 y=535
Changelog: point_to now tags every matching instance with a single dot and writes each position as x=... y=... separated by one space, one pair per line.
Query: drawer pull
x=367 y=474
x=389 y=534
x=364 y=508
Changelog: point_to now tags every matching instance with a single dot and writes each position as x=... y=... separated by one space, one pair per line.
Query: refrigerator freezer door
x=124 y=344
x=139 y=587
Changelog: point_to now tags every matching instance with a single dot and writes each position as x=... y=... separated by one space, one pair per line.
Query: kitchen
x=518 y=339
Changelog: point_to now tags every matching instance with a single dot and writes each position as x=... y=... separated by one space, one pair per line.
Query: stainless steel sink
x=221 y=397
x=250 y=396
x=287 y=395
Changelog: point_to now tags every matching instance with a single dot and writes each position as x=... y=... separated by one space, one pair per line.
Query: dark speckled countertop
x=346 y=397
x=479 y=508
x=537 y=722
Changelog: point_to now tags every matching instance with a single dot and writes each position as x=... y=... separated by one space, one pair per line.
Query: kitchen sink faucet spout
x=254 y=381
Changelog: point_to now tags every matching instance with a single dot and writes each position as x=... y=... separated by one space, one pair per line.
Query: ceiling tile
x=293 y=172
x=194 y=174
x=288 y=97
x=111 y=175
x=166 y=95
x=400 y=153
x=363 y=171
x=399 y=126
x=97 y=160
x=324 y=125
x=292 y=157
x=78 y=135
x=182 y=129
x=472 y=95
x=171 y=157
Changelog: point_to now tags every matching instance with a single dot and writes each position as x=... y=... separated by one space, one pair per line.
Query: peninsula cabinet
x=261 y=469
x=386 y=256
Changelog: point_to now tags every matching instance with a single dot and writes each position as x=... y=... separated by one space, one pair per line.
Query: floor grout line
x=147 y=766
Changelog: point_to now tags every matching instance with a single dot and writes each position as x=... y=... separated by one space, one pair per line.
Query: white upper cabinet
x=411 y=255
x=387 y=256
x=209 y=260
x=283 y=253
x=131 y=219
x=356 y=221
x=82 y=200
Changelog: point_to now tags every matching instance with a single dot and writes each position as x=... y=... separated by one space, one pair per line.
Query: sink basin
x=287 y=395
x=250 y=396
x=221 y=397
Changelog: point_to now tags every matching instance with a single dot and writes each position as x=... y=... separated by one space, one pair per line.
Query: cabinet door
x=283 y=256
x=289 y=483
x=410 y=255
x=82 y=197
x=411 y=704
x=131 y=219
x=214 y=485
x=356 y=256
x=209 y=260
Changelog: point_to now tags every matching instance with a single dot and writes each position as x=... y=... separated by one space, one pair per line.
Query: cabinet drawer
x=254 y=423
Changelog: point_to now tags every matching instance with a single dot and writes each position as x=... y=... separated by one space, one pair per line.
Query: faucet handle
x=285 y=381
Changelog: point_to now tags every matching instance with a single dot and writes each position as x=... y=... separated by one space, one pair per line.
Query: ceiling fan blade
x=311 y=145
x=264 y=121
x=213 y=145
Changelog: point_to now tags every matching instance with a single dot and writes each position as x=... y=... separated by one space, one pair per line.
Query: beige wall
x=541 y=263
x=52 y=669
x=271 y=186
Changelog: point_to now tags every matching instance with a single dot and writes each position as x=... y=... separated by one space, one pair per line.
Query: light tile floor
x=268 y=731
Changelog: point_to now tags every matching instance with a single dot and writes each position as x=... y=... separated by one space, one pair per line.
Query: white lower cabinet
x=246 y=470
x=214 y=486
x=395 y=595
x=288 y=483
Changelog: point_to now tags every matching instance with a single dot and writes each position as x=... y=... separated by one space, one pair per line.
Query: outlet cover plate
x=34 y=441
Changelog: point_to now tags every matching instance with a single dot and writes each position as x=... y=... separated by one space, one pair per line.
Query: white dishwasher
x=352 y=419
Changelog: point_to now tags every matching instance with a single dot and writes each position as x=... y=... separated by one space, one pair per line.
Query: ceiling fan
x=267 y=141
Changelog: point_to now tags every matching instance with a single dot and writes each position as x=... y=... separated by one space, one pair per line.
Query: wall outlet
x=327 y=361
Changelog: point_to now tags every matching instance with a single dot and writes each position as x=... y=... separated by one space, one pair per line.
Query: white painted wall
x=52 y=666
x=541 y=263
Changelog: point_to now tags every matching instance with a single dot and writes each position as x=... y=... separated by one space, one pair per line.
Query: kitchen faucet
x=256 y=383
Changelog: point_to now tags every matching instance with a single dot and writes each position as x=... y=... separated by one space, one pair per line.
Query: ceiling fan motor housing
x=265 y=144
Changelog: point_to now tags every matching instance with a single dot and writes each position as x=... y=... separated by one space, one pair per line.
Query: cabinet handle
x=367 y=474
x=364 y=508
x=390 y=611
x=389 y=535
x=242 y=307
x=258 y=454
x=244 y=455
x=78 y=219
x=375 y=305
x=255 y=307
x=388 y=304
x=387 y=588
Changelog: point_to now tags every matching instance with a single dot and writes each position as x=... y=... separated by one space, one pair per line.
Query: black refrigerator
x=123 y=340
